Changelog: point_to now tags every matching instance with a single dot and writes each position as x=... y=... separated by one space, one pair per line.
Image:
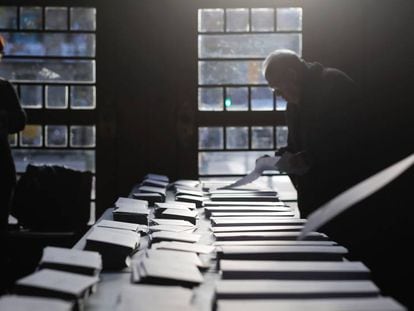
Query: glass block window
x=56 y=136
x=233 y=95
x=56 y=97
x=31 y=136
x=262 y=137
x=83 y=19
x=263 y=19
x=8 y=17
x=289 y=19
x=281 y=136
x=237 y=137
x=13 y=140
x=82 y=97
x=237 y=20
x=82 y=136
x=237 y=98
x=210 y=99
x=210 y=138
x=50 y=59
x=31 y=18
x=262 y=98
x=31 y=96
x=56 y=18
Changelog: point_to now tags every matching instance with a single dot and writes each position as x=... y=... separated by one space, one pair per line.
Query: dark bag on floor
x=52 y=198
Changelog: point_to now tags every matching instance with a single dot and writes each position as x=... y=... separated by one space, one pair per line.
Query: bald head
x=283 y=70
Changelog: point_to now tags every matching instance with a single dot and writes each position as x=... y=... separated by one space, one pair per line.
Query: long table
x=112 y=282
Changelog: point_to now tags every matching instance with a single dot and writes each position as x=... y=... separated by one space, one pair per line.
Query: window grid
x=47 y=141
x=277 y=138
x=215 y=52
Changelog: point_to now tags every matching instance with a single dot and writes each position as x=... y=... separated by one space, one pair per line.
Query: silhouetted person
x=331 y=148
x=12 y=120
x=323 y=123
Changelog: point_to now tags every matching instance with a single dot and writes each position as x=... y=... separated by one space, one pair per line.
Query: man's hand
x=293 y=163
x=265 y=163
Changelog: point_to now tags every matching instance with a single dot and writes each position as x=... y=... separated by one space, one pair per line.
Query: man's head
x=283 y=70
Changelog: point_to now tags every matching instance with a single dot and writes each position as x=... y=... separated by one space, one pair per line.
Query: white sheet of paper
x=354 y=195
x=262 y=164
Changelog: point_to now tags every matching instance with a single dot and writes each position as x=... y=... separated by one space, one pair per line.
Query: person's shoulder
x=336 y=75
x=4 y=82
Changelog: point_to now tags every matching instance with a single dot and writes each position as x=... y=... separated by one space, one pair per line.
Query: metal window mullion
x=275 y=19
x=43 y=18
x=18 y=18
x=250 y=138
x=224 y=20
x=249 y=98
x=68 y=19
x=224 y=137
x=250 y=20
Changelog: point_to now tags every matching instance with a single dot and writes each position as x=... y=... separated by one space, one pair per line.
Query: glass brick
x=262 y=137
x=56 y=97
x=56 y=18
x=281 y=103
x=230 y=72
x=56 y=135
x=263 y=19
x=83 y=160
x=12 y=140
x=247 y=45
x=281 y=136
x=93 y=190
x=261 y=99
x=46 y=70
x=237 y=137
x=31 y=136
x=30 y=18
x=237 y=99
x=82 y=136
x=237 y=20
x=210 y=20
x=289 y=19
x=210 y=99
x=31 y=96
x=210 y=138
x=50 y=44
x=82 y=97
x=8 y=17
x=83 y=19
x=227 y=162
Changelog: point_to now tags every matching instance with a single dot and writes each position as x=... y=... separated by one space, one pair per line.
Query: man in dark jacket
x=329 y=150
x=12 y=120
x=323 y=122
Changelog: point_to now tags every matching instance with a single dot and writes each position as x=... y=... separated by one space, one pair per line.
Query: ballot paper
x=323 y=304
x=262 y=164
x=27 y=303
x=71 y=260
x=286 y=289
x=154 y=297
x=354 y=195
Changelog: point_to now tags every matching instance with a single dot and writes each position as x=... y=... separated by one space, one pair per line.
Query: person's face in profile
x=287 y=85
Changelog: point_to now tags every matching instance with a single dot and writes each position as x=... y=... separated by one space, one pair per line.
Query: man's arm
x=12 y=116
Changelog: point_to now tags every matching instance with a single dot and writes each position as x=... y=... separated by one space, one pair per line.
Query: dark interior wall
x=371 y=40
x=147 y=76
x=150 y=73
